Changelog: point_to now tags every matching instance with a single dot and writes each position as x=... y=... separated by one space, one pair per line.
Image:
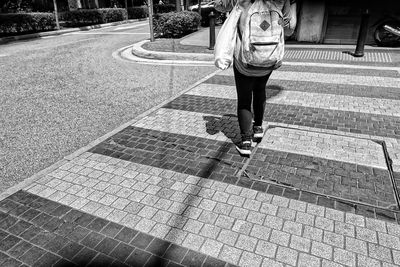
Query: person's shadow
x=227 y=124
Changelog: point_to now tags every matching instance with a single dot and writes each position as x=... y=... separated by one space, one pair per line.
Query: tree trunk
x=178 y=5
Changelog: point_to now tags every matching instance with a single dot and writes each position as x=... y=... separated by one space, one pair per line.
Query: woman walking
x=251 y=80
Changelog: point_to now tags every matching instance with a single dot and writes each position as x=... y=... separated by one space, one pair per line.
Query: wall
x=311 y=21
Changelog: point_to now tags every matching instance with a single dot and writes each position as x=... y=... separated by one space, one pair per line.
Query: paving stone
x=366 y=235
x=141 y=240
x=138 y=258
x=345 y=229
x=286 y=214
x=239 y=213
x=106 y=245
x=273 y=222
x=193 y=226
x=260 y=232
x=193 y=241
x=256 y=217
x=396 y=256
x=126 y=234
x=363 y=261
x=230 y=254
x=280 y=238
x=56 y=244
x=307 y=260
x=208 y=217
x=324 y=224
x=393 y=229
x=249 y=259
x=224 y=221
x=356 y=246
x=84 y=257
x=321 y=250
x=19 y=227
x=19 y=249
x=228 y=237
x=242 y=227
x=271 y=263
x=211 y=247
x=246 y=243
x=8 y=242
x=312 y=233
x=193 y=258
x=354 y=219
x=379 y=252
x=92 y=239
x=287 y=255
x=268 y=208
x=300 y=243
x=266 y=249
x=42 y=238
x=210 y=231
x=388 y=241
x=292 y=228
x=175 y=253
x=213 y=262
x=10 y=262
x=158 y=246
x=122 y=251
x=333 y=239
x=344 y=257
x=70 y=250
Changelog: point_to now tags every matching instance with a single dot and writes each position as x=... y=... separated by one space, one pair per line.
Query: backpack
x=263 y=37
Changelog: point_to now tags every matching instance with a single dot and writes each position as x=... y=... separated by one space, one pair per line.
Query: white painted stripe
x=348 y=149
x=388 y=107
x=130 y=27
x=225 y=128
x=109 y=33
x=332 y=78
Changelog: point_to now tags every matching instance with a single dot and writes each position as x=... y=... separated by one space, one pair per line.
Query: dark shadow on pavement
x=227 y=124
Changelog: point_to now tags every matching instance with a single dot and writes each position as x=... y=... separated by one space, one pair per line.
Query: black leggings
x=250 y=89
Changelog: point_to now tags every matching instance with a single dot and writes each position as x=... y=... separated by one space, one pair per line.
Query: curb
x=5 y=40
x=139 y=51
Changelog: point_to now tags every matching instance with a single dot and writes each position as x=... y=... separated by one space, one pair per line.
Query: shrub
x=83 y=17
x=17 y=23
x=176 y=24
x=138 y=12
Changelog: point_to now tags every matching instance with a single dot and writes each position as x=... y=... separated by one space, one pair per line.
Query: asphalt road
x=57 y=94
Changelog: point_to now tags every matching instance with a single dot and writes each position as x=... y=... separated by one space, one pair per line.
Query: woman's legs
x=244 y=87
x=259 y=98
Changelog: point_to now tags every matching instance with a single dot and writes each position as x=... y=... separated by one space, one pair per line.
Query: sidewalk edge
x=139 y=51
x=5 y=40
x=28 y=181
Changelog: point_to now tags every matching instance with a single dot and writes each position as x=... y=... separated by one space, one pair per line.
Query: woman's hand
x=244 y=4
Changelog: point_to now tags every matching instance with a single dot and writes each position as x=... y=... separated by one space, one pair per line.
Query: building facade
x=338 y=21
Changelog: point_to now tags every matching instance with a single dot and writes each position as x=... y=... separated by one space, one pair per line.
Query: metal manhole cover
x=333 y=165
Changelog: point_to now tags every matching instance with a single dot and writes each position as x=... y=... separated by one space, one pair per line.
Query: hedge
x=138 y=12
x=176 y=24
x=83 y=17
x=18 y=23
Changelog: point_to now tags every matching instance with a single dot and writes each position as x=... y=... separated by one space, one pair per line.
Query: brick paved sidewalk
x=171 y=190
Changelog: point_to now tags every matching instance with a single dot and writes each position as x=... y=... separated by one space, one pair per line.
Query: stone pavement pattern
x=170 y=189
